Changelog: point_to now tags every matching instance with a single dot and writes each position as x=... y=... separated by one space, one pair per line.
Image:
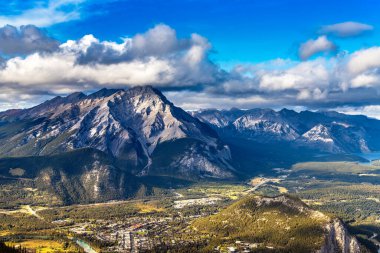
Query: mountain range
x=328 y=132
x=104 y=145
x=262 y=139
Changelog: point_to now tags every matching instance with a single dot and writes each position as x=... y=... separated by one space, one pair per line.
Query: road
x=178 y=195
x=258 y=185
x=134 y=249
x=32 y=212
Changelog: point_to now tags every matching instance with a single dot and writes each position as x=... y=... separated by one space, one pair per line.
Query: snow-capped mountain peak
x=318 y=133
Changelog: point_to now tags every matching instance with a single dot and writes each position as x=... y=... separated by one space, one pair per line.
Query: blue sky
x=202 y=53
x=240 y=30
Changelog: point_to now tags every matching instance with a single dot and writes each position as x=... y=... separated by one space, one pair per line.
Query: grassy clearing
x=336 y=167
x=229 y=191
x=42 y=246
x=282 y=189
x=148 y=208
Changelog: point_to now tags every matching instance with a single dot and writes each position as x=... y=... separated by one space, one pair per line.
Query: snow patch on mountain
x=257 y=127
x=324 y=131
x=319 y=133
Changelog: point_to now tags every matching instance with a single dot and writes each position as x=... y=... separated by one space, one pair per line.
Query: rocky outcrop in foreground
x=338 y=239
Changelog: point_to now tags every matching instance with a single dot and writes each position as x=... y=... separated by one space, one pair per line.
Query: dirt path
x=258 y=185
x=33 y=212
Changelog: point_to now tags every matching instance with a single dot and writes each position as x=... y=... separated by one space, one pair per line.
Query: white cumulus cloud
x=364 y=60
x=183 y=69
x=156 y=57
x=312 y=47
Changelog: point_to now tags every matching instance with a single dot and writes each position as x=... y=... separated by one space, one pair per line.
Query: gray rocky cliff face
x=338 y=239
x=325 y=131
x=125 y=124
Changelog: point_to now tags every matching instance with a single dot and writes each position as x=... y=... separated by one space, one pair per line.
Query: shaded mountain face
x=281 y=224
x=329 y=132
x=80 y=176
x=129 y=125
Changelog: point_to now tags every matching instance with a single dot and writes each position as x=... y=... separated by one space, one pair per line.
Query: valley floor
x=339 y=189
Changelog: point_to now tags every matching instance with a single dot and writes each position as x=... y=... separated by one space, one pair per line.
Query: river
x=86 y=247
x=369 y=156
x=374 y=240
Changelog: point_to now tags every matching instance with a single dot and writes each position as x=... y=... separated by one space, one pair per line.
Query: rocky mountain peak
x=146 y=92
x=73 y=97
x=318 y=133
x=127 y=124
x=104 y=93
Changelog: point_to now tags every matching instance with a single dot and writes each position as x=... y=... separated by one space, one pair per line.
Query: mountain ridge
x=127 y=124
x=130 y=125
x=144 y=134
x=282 y=224
x=348 y=133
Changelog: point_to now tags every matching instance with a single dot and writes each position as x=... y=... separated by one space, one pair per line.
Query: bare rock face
x=324 y=131
x=126 y=124
x=338 y=239
x=320 y=136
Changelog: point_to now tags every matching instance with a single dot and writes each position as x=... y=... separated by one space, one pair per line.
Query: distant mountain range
x=94 y=147
x=328 y=132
